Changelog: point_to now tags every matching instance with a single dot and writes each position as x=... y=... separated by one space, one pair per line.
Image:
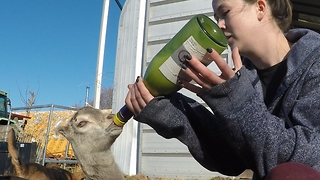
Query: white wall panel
x=162 y=157
x=157 y=156
x=179 y=9
x=127 y=68
x=174 y=166
x=153 y=143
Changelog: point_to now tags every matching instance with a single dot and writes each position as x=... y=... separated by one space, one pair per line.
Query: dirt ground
x=142 y=177
x=246 y=175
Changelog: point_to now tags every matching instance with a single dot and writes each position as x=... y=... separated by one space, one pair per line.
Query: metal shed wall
x=127 y=67
x=161 y=157
x=155 y=156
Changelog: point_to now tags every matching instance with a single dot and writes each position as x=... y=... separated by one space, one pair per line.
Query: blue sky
x=50 y=47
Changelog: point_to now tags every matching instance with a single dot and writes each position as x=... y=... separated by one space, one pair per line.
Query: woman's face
x=238 y=20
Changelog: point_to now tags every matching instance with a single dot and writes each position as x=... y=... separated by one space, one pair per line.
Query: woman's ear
x=261 y=9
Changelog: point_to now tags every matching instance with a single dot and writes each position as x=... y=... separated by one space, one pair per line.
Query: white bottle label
x=171 y=68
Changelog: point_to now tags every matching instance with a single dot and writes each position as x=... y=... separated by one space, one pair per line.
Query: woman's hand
x=204 y=77
x=138 y=96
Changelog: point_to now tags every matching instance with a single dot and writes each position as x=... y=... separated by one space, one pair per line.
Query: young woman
x=266 y=111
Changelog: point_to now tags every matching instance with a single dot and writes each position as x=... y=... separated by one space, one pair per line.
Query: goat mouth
x=111 y=126
x=62 y=132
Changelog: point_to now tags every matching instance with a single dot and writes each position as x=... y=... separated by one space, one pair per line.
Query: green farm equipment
x=5 y=113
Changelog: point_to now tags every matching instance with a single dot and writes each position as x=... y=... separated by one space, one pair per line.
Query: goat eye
x=82 y=123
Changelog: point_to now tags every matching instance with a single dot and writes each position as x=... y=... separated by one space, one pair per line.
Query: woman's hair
x=281 y=11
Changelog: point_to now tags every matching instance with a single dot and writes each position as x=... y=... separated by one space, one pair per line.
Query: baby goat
x=91 y=133
x=32 y=171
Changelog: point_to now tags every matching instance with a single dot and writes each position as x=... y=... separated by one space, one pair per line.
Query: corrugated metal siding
x=168 y=157
x=157 y=157
x=127 y=67
x=166 y=18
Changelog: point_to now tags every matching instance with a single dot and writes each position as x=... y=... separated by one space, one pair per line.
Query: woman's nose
x=221 y=24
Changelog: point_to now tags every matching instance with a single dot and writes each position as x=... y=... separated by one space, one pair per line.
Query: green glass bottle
x=164 y=69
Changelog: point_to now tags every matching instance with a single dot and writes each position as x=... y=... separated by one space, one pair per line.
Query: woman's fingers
x=138 y=96
x=200 y=73
x=193 y=74
x=203 y=76
x=144 y=92
x=225 y=69
x=140 y=102
x=128 y=99
x=134 y=99
x=191 y=87
x=236 y=59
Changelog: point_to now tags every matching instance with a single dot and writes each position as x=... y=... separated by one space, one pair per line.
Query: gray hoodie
x=242 y=133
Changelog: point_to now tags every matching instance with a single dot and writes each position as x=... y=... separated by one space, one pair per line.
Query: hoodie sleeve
x=178 y=116
x=261 y=138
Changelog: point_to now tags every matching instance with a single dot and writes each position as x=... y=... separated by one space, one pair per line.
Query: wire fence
x=51 y=147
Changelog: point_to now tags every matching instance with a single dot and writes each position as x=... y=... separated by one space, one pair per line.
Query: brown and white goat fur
x=33 y=171
x=91 y=133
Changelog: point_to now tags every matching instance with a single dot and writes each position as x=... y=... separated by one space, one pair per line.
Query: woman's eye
x=221 y=15
x=216 y=17
x=225 y=13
